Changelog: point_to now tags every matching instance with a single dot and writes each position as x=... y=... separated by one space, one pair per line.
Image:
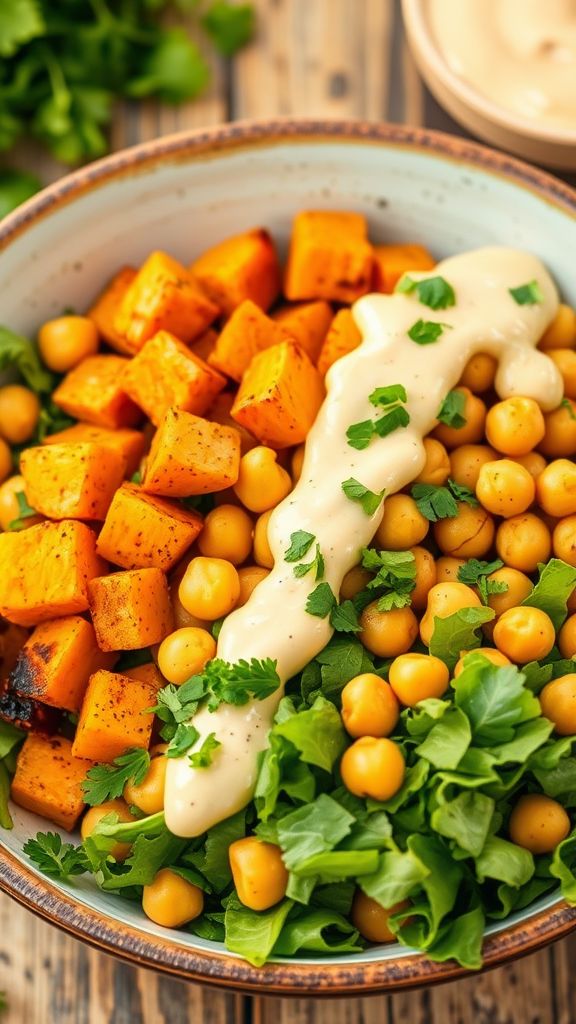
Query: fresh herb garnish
x=527 y=294
x=344 y=618
x=360 y=434
x=434 y=292
x=202 y=758
x=300 y=543
x=463 y=493
x=321 y=601
x=475 y=574
x=425 y=332
x=388 y=395
x=55 y=858
x=369 y=500
x=452 y=409
x=18 y=352
x=107 y=781
x=316 y=566
x=25 y=511
x=567 y=404
x=394 y=581
x=437 y=502
x=395 y=416
x=395 y=419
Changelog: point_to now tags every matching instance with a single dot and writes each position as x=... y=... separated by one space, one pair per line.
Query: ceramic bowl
x=182 y=193
x=553 y=147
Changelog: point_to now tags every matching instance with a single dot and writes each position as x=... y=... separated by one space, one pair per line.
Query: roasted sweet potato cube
x=163 y=297
x=113 y=716
x=12 y=640
x=242 y=267
x=44 y=571
x=204 y=346
x=130 y=443
x=148 y=673
x=166 y=373
x=343 y=337
x=190 y=455
x=56 y=662
x=72 y=481
x=391 y=261
x=131 y=609
x=142 y=531
x=221 y=412
x=105 y=310
x=329 y=257
x=280 y=396
x=247 y=332
x=307 y=324
x=48 y=779
x=92 y=392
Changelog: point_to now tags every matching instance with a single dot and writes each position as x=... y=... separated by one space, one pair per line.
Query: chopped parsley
x=388 y=395
x=25 y=511
x=391 y=399
x=369 y=500
x=463 y=493
x=344 y=618
x=527 y=294
x=316 y=566
x=437 y=502
x=475 y=574
x=360 y=434
x=391 y=421
x=202 y=758
x=55 y=858
x=451 y=412
x=434 y=292
x=300 y=544
x=321 y=601
x=107 y=781
x=394 y=580
x=425 y=332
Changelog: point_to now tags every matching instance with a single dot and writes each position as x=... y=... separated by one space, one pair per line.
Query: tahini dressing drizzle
x=274 y=622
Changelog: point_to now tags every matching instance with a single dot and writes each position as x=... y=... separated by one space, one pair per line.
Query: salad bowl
x=182 y=191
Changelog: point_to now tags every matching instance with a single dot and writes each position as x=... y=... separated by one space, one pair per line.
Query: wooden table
x=339 y=58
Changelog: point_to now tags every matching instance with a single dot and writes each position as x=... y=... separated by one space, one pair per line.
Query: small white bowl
x=554 y=147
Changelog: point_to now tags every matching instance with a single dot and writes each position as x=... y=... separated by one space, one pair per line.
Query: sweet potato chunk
x=243 y=267
x=247 y=332
x=163 y=297
x=131 y=609
x=190 y=455
x=12 y=640
x=220 y=412
x=166 y=373
x=307 y=324
x=280 y=396
x=141 y=531
x=204 y=346
x=105 y=310
x=329 y=257
x=44 y=571
x=72 y=481
x=130 y=443
x=391 y=261
x=56 y=662
x=92 y=392
x=112 y=718
x=343 y=337
x=148 y=673
x=48 y=779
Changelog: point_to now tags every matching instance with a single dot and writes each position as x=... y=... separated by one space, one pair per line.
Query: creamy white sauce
x=520 y=54
x=274 y=622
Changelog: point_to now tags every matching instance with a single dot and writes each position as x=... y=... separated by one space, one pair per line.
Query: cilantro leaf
x=463 y=493
x=344 y=618
x=527 y=294
x=19 y=353
x=55 y=858
x=388 y=395
x=317 y=565
x=360 y=434
x=321 y=601
x=202 y=758
x=230 y=26
x=434 y=502
x=185 y=736
x=393 y=420
x=394 y=581
x=300 y=544
x=452 y=409
x=475 y=572
x=434 y=292
x=425 y=332
x=107 y=781
x=369 y=500
x=20 y=21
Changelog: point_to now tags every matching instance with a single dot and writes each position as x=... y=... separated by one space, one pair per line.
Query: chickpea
x=493 y=656
x=472 y=431
x=523 y=541
x=262 y=553
x=148 y=795
x=560 y=431
x=447 y=569
x=415 y=677
x=371 y=919
x=184 y=653
x=388 y=634
x=564 y=540
x=182 y=618
x=9 y=507
x=562 y=331
x=467 y=461
x=373 y=767
x=262 y=483
x=66 y=341
x=556 y=488
x=567 y=638
x=369 y=707
x=565 y=360
x=171 y=901
x=558 y=701
x=524 y=634
x=355 y=580
x=297 y=462
x=210 y=588
x=402 y=525
x=515 y=426
x=469 y=534
x=227 y=533
x=437 y=466
x=479 y=373
x=19 y=413
x=93 y=817
x=258 y=872
x=250 y=576
x=519 y=586
x=5 y=460
x=443 y=600
x=425 y=577
x=533 y=462
x=538 y=823
x=505 y=488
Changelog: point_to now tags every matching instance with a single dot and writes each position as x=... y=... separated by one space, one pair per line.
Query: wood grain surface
x=339 y=58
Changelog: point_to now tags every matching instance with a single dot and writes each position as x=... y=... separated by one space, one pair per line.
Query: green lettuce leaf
x=337 y=865
x=495 y=700
x=281 y=771
x=461 y=940
x=447 y=741
x=398 y=876
x=211 y=860
x=317 y=733
x=466 y=820
x=458 y=632
x=555 y=584
x=563 y=867
x=314 y=828
x=320 y=931
x=252 y=934
x=505 y=862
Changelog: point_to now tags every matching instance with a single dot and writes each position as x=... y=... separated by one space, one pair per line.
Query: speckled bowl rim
x=102 y=931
